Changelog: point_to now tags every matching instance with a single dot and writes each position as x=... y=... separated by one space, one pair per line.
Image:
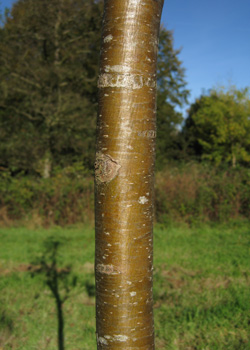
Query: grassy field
x=201 y=289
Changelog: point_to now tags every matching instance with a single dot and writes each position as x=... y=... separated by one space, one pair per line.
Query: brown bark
x=124 y=176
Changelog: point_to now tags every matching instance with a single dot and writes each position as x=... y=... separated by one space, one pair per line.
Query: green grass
x=201 y=289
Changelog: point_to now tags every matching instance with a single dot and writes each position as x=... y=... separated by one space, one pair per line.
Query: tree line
x=49 y=52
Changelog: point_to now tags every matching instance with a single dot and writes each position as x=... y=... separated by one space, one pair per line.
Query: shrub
x=65 y=198
x=187 y=193
x=199 y=192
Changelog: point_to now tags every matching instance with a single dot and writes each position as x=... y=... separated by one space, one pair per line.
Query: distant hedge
x=65 y=198
x=188 y=193
x=199 y=192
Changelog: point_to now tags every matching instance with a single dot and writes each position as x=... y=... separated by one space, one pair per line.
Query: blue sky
x=215 y=40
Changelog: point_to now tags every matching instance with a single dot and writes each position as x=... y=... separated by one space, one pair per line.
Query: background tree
x=172 y=93
x=218 y=126
x=49 y=57
x=48 y=77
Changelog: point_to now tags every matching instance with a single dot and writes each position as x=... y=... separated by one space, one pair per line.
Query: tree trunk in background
x=124 y=174
x=47 y=165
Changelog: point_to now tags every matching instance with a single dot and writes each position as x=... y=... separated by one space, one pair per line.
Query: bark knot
x=106 y=168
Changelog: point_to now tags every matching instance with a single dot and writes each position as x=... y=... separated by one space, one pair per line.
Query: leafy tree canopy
x=49 y=53
x=49 y=66
x=218 y=126
x=172 y=92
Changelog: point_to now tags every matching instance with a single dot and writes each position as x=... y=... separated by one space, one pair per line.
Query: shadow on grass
x=59 y=279
x=6 y=327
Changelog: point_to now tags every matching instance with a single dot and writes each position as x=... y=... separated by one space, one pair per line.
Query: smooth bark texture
x=124 y=174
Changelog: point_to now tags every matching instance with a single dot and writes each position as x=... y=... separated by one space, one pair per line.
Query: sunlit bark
x=124 y=174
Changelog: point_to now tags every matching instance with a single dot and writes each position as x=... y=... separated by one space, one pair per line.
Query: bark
x=124 y=174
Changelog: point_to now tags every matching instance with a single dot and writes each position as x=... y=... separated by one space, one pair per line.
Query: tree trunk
x=124 y=174
x=47 y=165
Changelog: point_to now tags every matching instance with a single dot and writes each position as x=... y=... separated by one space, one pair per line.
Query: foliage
x=201 y=288
x=48 y=85
x=171 y=93
x=200 y=193
x=65 y=198
x=188 y=193
x=218 y=126
x=49 y=66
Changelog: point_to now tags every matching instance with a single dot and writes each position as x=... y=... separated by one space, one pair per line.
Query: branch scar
x=106 y=168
